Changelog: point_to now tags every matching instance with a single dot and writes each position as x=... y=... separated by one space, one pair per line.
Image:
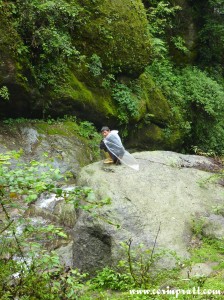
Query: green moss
x=117 y=32
x=215 y=283
x=210 y=250
x=64 y=128
x=53 y=129
x=173 y=139
x=96 y=102
x=9 y=37
x=156 y=105
x=144 y=136
x=8 y=45
x=83 y=132
x=153 y=130
x=149 y=136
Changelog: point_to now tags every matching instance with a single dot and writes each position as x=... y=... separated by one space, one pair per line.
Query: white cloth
x=115 y=146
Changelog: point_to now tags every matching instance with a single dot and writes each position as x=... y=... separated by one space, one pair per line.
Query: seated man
x=112 y=145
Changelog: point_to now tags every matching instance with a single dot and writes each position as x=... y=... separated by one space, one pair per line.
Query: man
x=112 y=145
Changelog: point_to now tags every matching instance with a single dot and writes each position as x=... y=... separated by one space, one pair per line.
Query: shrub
x=196 y=102
x=27 y=269
x=127 y=102
x=4 y=93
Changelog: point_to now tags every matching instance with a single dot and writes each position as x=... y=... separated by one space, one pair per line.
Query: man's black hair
x=105 y=128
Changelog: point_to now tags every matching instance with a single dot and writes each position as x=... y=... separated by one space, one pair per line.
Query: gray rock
x=66 y=213
x=214 y=226
x=54 y=208
x=67 y=153
x=65 y=254
x=198 y=270
x=168 y=190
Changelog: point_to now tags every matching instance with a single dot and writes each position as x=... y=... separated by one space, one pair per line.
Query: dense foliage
x=211 y=37
x=69 y=50
x=28 y=270
x=45 y=28
x=197 y=103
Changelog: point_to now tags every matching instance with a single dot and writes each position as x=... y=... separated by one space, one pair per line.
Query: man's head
x=105 y=131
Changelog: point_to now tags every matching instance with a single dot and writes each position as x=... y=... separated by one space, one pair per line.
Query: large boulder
x=149 y=131
x=168 y=191
x=117 y=32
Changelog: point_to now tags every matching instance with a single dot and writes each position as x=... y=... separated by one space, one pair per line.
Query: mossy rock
x=157 y=109
x=74 y=97
x=150 y=136
x=155 y=127
x=117 y=32
x=13 y=66
x=9 y=37
x=145 y=137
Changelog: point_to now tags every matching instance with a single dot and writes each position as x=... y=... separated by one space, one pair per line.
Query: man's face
x=105 y=133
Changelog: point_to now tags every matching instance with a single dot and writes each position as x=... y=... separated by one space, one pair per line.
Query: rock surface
x=168 y=191
x=56 y=144
x=198 y=270
x=214 y=226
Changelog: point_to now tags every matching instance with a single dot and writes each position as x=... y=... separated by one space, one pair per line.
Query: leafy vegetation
x=211 y=37
x=28 y=269
x=45 y=28
x=160 y=16
x=74 y=49
x=4 y=93
x=117 y=282
x=127 y=102
x=194 y=97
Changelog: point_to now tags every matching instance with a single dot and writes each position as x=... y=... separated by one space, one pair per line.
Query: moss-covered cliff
x=87 y=58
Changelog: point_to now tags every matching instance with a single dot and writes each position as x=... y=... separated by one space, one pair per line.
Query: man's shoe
x=108 y=161
x=118 y=162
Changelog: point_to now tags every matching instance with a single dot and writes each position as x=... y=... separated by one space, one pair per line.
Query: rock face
x=112 y=38
x=168 y=191
x=58 y=144
x=214 y=226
